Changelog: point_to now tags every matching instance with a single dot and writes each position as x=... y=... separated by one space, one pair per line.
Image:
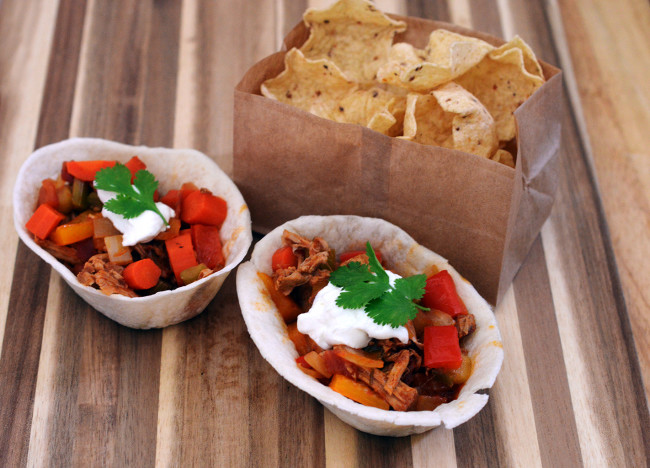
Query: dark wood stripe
x=547 y=373
x=606 y=336
x=389 y=452
x=160 y=69
x=26 y=314
x=429 y=9
x=476 y=441
x=21 y=347
x=56 y=108
x=214 y=403
x=485 y=17
x=301 y=428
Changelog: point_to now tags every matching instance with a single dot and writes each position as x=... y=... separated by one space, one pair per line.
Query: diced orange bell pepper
x=287 y=307
x=67 y=234
x=357 y=391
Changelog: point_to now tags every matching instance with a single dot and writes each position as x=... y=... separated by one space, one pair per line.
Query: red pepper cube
x=440 y=293
x=441 y=348
x=44 y=220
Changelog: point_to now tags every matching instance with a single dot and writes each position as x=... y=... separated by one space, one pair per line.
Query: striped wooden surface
x=78 y=390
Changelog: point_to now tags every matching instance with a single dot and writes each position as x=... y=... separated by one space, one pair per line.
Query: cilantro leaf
x=368 y=287
x=359 y=285
x=131 y=200
x=374 y=264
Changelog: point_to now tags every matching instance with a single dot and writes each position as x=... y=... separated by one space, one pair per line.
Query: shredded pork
x=101 y=273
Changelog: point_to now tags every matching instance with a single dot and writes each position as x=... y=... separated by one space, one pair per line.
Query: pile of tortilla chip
x=459 y=92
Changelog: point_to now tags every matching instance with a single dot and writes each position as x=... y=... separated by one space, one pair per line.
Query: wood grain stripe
x=23 y=70
x=376 y=451
x=434 y=448
x=510 y=397
x=20 y=355
x=547 y=376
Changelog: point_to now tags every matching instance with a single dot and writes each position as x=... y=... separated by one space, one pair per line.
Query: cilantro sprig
x=131 y=200
x=368 y=287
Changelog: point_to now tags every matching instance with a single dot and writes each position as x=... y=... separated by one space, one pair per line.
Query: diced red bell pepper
x=283 y=258
x=441 y=348
x=47 y=194
x=440 y=293
x=134 y=165
x=207 y=246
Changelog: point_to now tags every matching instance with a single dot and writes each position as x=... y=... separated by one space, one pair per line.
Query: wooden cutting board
x=76 y=389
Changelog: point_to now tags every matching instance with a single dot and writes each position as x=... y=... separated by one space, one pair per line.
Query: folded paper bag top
x=481 y=215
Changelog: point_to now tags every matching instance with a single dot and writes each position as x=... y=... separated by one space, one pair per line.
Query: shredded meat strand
x=402 y=396
x=313 y=257
x=401 y=361
x=60 y=252
x=465 y=324
x=99 y=271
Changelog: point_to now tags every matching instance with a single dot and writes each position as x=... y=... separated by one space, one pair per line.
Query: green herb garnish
x=131 y=200
x=368 y=287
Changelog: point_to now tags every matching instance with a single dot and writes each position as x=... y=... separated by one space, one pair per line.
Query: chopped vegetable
x=117 y=252
x=287 y=307
x=47 y=194
x=143 y=274
x=304 y=366
x=430 y=318
x=317 y=362
x=301 y=342
x=44 y=220
x=103 y=227
x=201 y=207
x=207 y=245
x=181 y=254
x=345 y=256
x=172 y=231
x=173 y=200
x=440 y=293
x=284 y=258
x=86 y=170
x=67 y=234
x=64 y=195
x=80 y=191
x=357 y=391
x=191 y=274
x=135 y=164
x=441 y=348
x=357 y=357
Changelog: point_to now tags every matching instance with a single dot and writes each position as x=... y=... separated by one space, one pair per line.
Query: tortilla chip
x=447 y=56
x=502 y=83
x=353 y=34
x=504 y=157
x=312 y=85
x=406 y=257
x=452 y=118
x=375 y=108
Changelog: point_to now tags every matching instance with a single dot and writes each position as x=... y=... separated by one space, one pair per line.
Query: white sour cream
x=328 y=324
x=142 y=228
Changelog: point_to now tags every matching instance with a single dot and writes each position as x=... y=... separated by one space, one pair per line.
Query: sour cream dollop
x=142 y=228
x=328 y=324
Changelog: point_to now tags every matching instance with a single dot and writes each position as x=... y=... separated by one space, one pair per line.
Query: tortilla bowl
x=404 y=256
x=171 y=167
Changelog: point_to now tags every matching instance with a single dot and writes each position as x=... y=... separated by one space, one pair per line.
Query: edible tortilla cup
x=404 y=256
x=171 y=167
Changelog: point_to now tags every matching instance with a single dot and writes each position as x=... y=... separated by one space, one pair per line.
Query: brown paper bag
x=479 y=214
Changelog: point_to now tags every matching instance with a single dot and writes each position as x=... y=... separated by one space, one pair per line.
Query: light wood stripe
x=556 y=428
x=434 y=449
x=510 y=397
x=23 y=68
x=341 y=443
x=45 y=393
